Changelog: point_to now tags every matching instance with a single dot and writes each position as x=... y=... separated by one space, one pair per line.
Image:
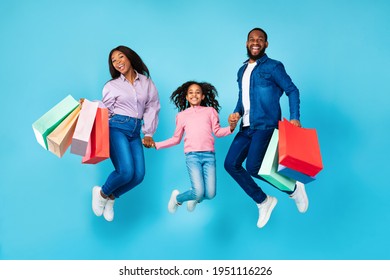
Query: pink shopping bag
x=83 y=128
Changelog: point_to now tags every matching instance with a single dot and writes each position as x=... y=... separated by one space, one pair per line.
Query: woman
x=133 y=104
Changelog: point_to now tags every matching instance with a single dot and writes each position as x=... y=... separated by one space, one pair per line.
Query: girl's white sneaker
x=173 y=204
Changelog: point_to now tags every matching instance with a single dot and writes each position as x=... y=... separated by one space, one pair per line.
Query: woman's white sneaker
x=108 y=212
x=98 y=202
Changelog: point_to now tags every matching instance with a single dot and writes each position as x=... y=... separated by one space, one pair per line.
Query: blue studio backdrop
x=336 y=53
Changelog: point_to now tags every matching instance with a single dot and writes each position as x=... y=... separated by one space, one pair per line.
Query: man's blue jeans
x=127 y=156
x=249 y=144
x=201 y=168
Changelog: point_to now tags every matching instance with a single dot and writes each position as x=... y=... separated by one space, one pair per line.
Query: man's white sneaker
x=98 y=202
x=108 y=212
x=173 y=204
x=265 y=210
x=300 y=197
x=191 y=204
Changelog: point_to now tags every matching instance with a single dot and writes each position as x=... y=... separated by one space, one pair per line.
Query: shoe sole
x=271 y=208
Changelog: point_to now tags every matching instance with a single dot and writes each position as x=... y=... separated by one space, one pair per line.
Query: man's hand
x=296 y=123
x=233 y=120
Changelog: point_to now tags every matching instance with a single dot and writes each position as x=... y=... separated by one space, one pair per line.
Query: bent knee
x=126 y=175
x=198 y=195
x=210 y=195
x=253 y=170
x=138 y=178
x=229 y=166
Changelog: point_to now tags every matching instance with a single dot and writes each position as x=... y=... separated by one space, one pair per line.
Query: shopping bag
x=60 y=138
x=291 y=173
x=269 y=166
x=83 y=128
x=299 y=148
x=52 y=118
x=98 y=148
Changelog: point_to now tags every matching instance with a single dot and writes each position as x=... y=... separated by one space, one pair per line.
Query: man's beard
x=254 y=57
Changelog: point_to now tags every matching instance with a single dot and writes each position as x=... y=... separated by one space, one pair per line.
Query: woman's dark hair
x=261 y=30
x=210 y=93
x=135 y=60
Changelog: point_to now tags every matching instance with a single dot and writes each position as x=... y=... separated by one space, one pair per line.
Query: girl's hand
x=148 y=142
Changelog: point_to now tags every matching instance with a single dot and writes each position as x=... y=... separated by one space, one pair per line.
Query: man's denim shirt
x=267 y=83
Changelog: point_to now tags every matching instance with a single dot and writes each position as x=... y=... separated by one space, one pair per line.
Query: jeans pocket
x=119 y=119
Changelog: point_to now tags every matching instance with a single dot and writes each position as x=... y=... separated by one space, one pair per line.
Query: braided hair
x=178 y=97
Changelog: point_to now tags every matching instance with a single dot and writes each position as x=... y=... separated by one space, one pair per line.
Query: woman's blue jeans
x=201 y=168
x=249 y=144
x=127 y=156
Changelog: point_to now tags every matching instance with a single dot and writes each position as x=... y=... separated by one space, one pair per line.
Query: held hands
x=233 y=120
x=148 y=142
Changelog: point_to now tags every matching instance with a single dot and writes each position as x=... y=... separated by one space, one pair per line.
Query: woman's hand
x=81 y=101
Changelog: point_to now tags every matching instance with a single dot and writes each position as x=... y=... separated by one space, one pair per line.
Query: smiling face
x=256 y=45
x=194 y=95
x=121 y=63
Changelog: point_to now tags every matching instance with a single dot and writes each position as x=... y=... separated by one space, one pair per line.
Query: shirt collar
x=123 y=78
x=260 y=60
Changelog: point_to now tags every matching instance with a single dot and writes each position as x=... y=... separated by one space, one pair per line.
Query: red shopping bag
x=98 y=148
x=299 y=149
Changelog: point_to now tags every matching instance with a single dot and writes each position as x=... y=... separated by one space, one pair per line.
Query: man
x=261 y=83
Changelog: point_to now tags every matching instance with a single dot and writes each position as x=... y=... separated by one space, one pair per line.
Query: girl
x=198 y=118
x=132 y=100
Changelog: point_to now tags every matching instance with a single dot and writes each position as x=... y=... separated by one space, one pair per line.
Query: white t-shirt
x=246 y=78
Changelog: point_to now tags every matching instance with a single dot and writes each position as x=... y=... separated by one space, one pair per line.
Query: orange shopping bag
x=299 y=149
x=60 y=138
x=98 y=148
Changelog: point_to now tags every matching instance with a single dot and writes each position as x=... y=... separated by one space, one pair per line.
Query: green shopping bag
x=52 y=118
x=269 y=166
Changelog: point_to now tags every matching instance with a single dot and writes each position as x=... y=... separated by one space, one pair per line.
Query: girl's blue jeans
x=127 y=155
x=201 y=168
